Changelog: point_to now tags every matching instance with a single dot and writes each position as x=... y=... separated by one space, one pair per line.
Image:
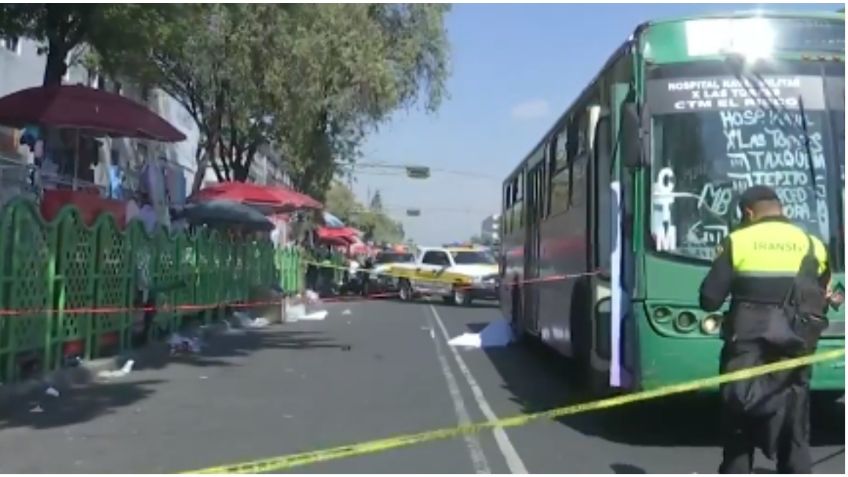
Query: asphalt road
x=369 y=370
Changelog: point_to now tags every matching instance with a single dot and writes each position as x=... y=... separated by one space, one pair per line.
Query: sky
x=514 y=70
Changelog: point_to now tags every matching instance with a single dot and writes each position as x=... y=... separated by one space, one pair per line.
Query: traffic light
x=417 y=172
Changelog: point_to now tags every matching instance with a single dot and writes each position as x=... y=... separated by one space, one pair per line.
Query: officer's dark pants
x=740 y=432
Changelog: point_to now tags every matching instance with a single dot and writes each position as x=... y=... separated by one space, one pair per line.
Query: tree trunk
x=202 y=162
x=55 y=68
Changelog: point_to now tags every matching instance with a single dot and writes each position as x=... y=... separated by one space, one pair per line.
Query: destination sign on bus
x=682 y=95
x=758 y=37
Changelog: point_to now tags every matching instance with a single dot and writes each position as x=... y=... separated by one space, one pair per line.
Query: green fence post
x=29 y=283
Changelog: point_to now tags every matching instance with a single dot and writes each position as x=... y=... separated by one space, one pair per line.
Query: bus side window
x=507 y=209
x=560 y=174
x=551 y=172
x=603 y=194
x=518 y=197
x=576 y=152
x=560 y=191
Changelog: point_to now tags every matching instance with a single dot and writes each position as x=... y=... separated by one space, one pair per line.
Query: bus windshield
x=473 y=258
x=715 y=133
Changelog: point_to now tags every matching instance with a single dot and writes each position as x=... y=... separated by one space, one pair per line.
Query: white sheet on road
x=314 y=316
x=495 y=334
x=298 y=313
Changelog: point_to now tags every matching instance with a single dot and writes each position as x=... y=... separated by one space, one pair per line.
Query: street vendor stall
x=85 y=113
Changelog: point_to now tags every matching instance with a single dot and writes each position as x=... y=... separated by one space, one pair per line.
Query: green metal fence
x=69 y=289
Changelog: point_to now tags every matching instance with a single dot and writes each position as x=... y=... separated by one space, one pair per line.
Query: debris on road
x=495 y=334
x=37 y=409
x=312 y=297
x=184 y=344
x=51 y=391
x=346 y=311
x=119 y=373
x=246 y=321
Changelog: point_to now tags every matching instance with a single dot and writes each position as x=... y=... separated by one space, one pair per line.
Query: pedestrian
x=777 y=277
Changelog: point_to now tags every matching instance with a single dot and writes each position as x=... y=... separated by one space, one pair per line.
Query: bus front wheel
x=593 y=381
x=515 y=320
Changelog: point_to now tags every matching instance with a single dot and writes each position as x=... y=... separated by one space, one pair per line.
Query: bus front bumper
x=667 y=360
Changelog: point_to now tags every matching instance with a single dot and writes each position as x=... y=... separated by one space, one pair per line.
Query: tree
x=376 y=202
x=341 y=202
x=311 y=80
x=63 y=27
x=388 y=57
x=375 y=224
x=213 y=60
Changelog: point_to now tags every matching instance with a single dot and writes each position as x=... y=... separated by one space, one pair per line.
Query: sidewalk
x=154 y=417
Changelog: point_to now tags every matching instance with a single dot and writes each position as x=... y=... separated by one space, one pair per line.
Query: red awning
x=91 y=110
x=271 y=198
x=347 y=233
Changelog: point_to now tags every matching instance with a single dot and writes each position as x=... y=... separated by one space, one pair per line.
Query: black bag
x=805 y=304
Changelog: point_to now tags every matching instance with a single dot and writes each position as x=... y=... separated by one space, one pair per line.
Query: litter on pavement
x=298 y=308
x=118 y=373
x=51 y=391
x=495 y=334
x=184 y=344
x=246 y=321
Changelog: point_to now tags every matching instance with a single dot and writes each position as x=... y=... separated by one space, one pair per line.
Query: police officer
x=757 y=266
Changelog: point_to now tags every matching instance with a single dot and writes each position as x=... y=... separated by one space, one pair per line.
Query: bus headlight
x=711 y=324
x=686 y=321
x=662 y=314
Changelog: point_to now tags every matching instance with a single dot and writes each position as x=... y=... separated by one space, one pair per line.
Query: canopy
x=347 y=233
x=86 y=109
x=269 y=199
x=217 y=213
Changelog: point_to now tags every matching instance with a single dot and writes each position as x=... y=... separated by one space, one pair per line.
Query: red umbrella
x=275 y=198
x=86 y=109
x=346 y=233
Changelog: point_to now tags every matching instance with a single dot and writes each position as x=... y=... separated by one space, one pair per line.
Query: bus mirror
x=631 y=146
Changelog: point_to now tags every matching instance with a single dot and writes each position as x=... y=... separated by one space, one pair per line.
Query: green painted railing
x=69 y=289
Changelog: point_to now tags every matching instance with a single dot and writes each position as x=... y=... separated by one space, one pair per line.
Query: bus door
x=535 y=206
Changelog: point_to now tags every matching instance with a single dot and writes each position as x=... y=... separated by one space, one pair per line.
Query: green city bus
x=611 y=222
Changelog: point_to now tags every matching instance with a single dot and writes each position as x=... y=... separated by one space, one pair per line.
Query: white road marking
x=475 y=450
x=513 y=460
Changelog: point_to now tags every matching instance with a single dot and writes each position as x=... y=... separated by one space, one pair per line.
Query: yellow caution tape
x=293 y=460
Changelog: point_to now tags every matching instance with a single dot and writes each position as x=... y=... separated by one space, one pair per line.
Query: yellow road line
x=369 y=447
